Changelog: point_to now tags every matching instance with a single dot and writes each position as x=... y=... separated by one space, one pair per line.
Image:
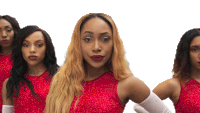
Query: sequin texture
x=5 y=67
x=26 y=102
x=189 y=99
x=99 y=96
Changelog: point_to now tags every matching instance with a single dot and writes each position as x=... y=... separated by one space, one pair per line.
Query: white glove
x=140 y=109
x=7 y=109
x=152 y=104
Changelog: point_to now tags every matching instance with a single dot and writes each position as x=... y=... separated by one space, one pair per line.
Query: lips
x=97 y=57
x=32 y=57
x=5 y=41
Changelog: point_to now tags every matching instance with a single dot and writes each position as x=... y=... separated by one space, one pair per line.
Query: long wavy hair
x=182 y=64
x=20 y=66
x=67 y=83
x=14 y=23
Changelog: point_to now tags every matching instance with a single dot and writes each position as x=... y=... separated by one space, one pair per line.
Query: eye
x=25 y=45
x=8 y=30
x=105 y=39
x=40 y=45
x=194 y=49
x=87 y=39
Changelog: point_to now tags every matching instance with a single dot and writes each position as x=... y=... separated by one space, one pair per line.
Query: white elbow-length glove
x=7 y=109
x=152 y=104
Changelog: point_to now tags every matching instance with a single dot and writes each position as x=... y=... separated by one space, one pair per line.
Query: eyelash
x=8 y=30
x=104 y=39
x=87 y=39
x=39 y=45
x=194 y=49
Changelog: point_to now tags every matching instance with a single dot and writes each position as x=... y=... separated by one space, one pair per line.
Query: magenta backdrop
x=150 y=30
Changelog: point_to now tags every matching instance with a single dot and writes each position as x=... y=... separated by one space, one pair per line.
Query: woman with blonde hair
x=95 y=76
x=183 y=88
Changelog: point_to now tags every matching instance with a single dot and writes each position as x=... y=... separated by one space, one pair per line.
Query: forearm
x=7 y=109
x=152 y=104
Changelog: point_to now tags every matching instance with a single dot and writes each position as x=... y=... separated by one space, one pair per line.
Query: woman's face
x=33 y=49
x=195 y=53
x=96 y=42
x=6 y=34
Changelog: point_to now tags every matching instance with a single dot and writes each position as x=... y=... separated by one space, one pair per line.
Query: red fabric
x=5 y=67
x=189 y=99
x=25 y=102
x=99 y=96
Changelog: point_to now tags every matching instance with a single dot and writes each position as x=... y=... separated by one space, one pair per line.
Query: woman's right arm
x=8 y=106
x=169 y=88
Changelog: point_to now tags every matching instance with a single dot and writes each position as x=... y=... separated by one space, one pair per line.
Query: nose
x=3 y=34
x=97 y=46
x=32 y=49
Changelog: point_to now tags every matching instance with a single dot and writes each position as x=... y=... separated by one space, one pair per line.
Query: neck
x=6 y=51
x=36 y=70
x=93 y=73
x=195 y=73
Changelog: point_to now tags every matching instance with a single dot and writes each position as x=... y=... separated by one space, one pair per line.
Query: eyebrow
x=36 y=41
x=88 y=32
x=8 y=26
x=194 y=46
x=93 y=33
x=104 y=33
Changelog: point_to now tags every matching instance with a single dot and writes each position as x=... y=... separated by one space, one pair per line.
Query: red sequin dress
x=189 y=99
x=99 y=96
x=5 y=67
x=25 y=102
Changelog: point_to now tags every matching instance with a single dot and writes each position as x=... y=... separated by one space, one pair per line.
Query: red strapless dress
x=99 y=96
x=25 y=102
x=189 y=99
x=5 y=67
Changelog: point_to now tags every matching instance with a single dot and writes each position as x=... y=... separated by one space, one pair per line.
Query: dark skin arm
x=132 y=88
x=170 y=88
x=6 y=101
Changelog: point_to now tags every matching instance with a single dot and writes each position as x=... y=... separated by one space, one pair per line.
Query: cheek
x=109 y=48
x=43 y=52
x=193 y=57
x=11 y=35
x=24 y=53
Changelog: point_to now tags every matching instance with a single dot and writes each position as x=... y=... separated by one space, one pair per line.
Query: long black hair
x=20 y=66
x=14 y=23
x=182 y=68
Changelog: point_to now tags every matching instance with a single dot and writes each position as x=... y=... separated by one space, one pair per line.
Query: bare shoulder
x=173 y=82
x=6 y=101
x=169 y=88
x=133 y=88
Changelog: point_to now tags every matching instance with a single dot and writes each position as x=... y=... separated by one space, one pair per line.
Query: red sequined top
x=189 y=99
x=99 y=96
x=25 y=102
x=5 y=67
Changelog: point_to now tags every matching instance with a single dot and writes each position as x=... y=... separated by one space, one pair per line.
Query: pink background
x=150 y=30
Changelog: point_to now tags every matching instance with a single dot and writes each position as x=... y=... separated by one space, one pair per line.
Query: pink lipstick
x=97 y=57
x=32 y=57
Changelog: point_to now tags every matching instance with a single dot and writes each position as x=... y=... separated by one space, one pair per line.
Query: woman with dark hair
x=184 y=88
x=95 y=77
x=9 y=28
x=34 y=64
